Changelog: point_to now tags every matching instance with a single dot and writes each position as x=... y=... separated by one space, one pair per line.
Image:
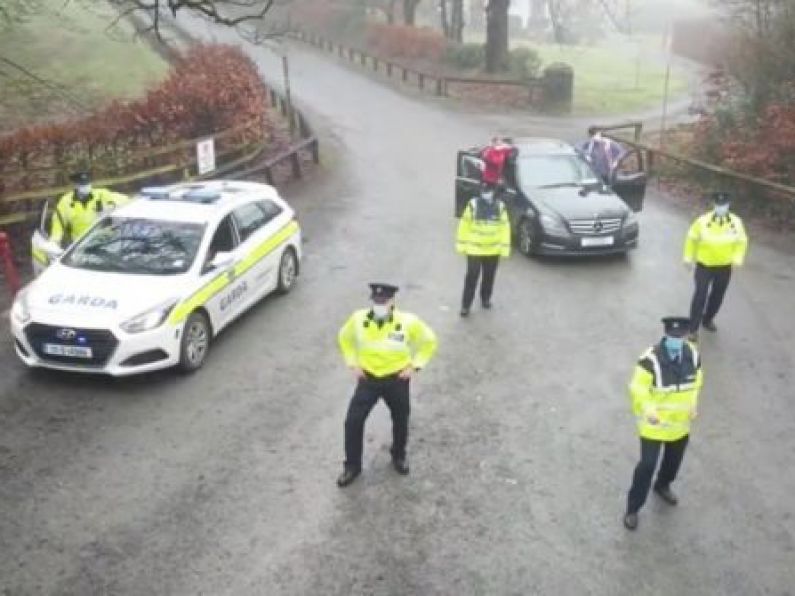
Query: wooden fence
x=424 y=80
x=246 y=158
x=654 y=154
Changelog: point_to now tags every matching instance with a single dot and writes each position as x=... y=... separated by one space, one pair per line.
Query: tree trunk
x=410 y=11
x=497 y=35
x=457 y=21
x=390 y=11
x=445 y=23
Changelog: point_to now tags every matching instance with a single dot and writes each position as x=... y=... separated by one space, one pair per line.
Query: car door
x=469 y=172
x=222 y=306
x=256 y=223
x=630 y=178
x=43 y=250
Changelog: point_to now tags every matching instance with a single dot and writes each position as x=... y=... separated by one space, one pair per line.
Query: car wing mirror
x=221 y=260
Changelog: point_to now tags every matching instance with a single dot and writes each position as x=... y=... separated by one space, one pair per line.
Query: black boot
x=666 y=494
x=709 y=326
x=631 y=521
x=401 y=465
x=348 y=476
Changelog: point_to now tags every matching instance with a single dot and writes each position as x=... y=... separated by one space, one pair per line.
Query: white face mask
x=721 y=210
x=488 y=196
x=380 y=311
x=83 y=190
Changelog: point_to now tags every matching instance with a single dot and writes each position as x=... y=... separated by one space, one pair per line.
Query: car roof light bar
x=201 y=195
x=155 y=193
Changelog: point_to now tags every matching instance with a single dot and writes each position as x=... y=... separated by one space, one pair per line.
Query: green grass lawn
x=70 y=45
x=608 y=81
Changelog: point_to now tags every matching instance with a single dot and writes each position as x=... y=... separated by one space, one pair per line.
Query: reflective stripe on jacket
x=716 y=241
x=664 y=393
x=73 y=217
x=484 y=229
x=385 y=348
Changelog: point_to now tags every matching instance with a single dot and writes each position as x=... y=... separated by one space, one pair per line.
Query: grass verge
x=71 y=46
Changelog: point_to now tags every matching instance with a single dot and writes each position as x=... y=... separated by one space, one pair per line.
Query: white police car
x=154 y=281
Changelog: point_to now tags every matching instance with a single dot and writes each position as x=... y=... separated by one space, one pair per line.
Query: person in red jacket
x=494 y=157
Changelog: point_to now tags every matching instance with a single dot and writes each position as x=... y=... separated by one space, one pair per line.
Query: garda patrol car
x=155 y=280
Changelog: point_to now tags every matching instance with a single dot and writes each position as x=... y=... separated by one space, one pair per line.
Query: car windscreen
x=137 y=246
x=549 y=171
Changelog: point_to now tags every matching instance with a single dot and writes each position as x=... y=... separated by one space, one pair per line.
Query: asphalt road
x=522 y=443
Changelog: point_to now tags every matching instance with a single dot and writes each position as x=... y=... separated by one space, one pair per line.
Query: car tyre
x=527 y=237
x=288 y=271
x=195 y=342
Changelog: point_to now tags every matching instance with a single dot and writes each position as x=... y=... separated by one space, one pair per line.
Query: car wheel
x=288 y=271
x=195 y=342
x=526 y=237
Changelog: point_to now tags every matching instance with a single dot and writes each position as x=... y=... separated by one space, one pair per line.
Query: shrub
x=466 y=56
x=403 y=41
x=210 y=88
x=524 y=63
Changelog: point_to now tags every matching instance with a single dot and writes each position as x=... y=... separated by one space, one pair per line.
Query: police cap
x=81 y=177
x=721 y=198
x=382 y=292
x=676 y=326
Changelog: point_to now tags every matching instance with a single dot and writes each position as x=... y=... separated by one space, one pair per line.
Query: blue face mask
x=674 y=347
x=721 y=210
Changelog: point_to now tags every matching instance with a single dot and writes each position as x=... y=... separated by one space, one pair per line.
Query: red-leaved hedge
x=404 y=41
x=210 y=88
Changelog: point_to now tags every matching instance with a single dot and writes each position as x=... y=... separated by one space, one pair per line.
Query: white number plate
x=598 y=241
x=73 y=351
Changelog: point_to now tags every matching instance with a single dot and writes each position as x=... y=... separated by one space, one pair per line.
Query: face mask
x=488 y=196
x=674 y=347
x=83 y=190
x=721 y=210
x=380 y=311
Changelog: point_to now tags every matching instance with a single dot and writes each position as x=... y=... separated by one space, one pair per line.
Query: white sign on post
x=205 y=156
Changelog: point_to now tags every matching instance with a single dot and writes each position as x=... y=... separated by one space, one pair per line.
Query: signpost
x=205 y=156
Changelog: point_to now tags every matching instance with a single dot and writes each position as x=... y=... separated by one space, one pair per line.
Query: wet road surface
x=522 y=444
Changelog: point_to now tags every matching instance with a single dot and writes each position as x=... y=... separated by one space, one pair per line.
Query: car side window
x=270 y=209
x=223 y=239
x=469 y=166
x=249 y=218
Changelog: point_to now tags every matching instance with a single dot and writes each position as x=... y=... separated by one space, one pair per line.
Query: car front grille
x=101 y=341
x=590 y=227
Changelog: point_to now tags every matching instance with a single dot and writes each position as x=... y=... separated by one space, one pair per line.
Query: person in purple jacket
x=602 y=153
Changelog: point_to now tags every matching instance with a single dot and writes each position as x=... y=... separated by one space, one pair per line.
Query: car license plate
x=72 y=351
x=598 y=241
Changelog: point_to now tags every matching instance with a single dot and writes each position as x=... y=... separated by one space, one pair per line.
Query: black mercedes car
x=557 y=204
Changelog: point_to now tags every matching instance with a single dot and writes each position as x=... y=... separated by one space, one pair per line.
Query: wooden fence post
x=439 y=86
x=421 y=80
x=389 y=69
x=363 y=58
x=316 y=151
x=295 y=159
x=375 y=64
x=405 y=74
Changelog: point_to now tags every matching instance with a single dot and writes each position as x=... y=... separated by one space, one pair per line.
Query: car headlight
x=553 y=224
x=150 y=319
x=631 y=219
x=20 y=311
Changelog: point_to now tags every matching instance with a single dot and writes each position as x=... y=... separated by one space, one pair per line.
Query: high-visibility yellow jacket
x=665 y=393
x=73 y=217
x=385 y=348
x=716 y=241
x=484 y=229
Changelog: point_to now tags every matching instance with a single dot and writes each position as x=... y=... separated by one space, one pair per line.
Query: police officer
x=716 y=242
x=664 y=391
x=77 y=210
x=384 y=347
x=484 y=235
